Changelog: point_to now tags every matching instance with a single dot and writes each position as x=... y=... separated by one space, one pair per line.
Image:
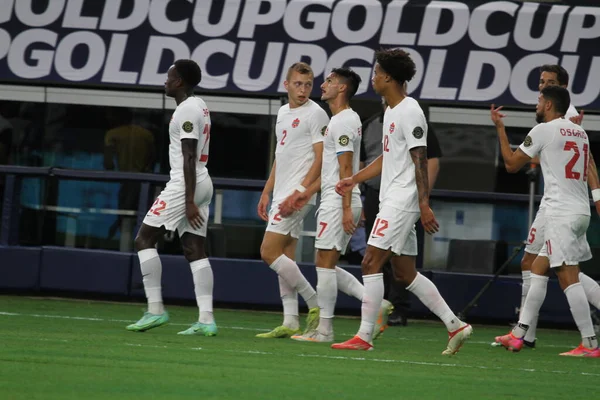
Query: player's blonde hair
x=300 y=67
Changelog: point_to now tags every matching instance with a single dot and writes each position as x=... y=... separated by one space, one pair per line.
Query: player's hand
x=496 y=115
x=263 y=203
x=578 y=119
x=348 y=221
x=428 y=220
x=192 y=212
x=344 y=186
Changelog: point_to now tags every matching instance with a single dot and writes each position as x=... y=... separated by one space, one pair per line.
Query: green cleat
x=312 y=320
x=201 y=329
x=382 y=318
x=281 y=332
x=149 y=321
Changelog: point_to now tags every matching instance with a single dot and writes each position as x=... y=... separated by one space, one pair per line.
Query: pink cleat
x=510 y=342
x=356 y=343
x=581 y=351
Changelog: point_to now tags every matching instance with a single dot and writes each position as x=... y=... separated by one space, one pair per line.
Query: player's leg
x=592 y=289
x=535 y=241
x=282 y=234
x=568 y=277
x=327 y=296
x=194 y=250
x=151 y=268
x=426 y=291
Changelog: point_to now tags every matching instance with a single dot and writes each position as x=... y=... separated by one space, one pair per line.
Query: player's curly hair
x=350 y=78
x=189 y=72
x=397 y=64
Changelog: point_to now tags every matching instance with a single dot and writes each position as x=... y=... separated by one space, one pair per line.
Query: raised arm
x=513 y=160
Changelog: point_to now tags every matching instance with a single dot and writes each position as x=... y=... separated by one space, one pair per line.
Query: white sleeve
x=344 y=138
x=414 y=129
x=535 y=141
x=318 y=124
x=190 y=121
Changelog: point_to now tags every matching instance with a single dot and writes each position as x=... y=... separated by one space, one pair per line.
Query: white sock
x=371 y=302
x=580 y=310
x=430 y=296
x=347 y=283
x=592 y=289
x=525 y=286
x=289 y=299
x=530 y=335
x=532 y=305
x=203 y=287
x=327 y=295
x=289 y=271
x=152 y=276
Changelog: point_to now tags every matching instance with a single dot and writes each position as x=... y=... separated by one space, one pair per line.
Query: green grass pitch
x=68 y=349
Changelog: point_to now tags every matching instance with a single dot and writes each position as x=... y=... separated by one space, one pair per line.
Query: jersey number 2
x=386 y=142
x=569 y=173
x=283 y=138
x=158 y=206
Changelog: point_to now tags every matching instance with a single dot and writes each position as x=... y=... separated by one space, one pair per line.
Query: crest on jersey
x=324 y=131
x=296 y=123
x=418 y=132
x=392 y=127
x=344 y=140
x=206 y=113
x=528 y=141
x=359 y=131
x=187 y=126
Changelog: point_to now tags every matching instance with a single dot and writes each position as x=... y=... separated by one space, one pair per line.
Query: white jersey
x=563 y=148
x=297 y=130
x=404 y=128
x=342 y=134
x=191 y=120
x=571 y=112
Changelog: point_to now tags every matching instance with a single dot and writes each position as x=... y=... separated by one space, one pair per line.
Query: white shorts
x=395 y=229
x=565 y=241
x=168 y=209
x=330 y=230
x=535 y=240
x=291 y=225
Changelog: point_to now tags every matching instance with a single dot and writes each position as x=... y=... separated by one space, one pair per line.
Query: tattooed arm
x=419 y=158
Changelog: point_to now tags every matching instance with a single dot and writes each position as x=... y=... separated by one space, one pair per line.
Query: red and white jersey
x=343 y=134
x=191 y=120
x=297 y=130
x=563 y=148
x=571 y=112
x=404 y=128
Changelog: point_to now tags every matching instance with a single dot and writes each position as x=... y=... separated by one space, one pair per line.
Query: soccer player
x=550 y=75
x=563 y=148
x=182 y=205
x=300 y=130
x=337 y=216
x=404 y=197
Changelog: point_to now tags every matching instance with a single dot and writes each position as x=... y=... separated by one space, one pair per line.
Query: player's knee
x=368 y=265
x=268 y=253
x=142 y=243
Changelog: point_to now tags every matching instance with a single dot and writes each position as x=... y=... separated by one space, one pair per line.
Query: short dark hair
x=396 y=63
x=189 y=72
x=300 y=67
x=350 y=78
x=562 y=76
x=559 y=96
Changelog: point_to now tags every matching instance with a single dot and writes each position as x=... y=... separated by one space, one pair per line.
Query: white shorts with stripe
x=395 y=229
x=291 y=225
x=565 y=240
x=168 y=209
x=330 y=230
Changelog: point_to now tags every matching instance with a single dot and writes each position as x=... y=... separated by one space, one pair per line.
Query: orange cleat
x=356 y=343
x=581 y=351
x=510 y=342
